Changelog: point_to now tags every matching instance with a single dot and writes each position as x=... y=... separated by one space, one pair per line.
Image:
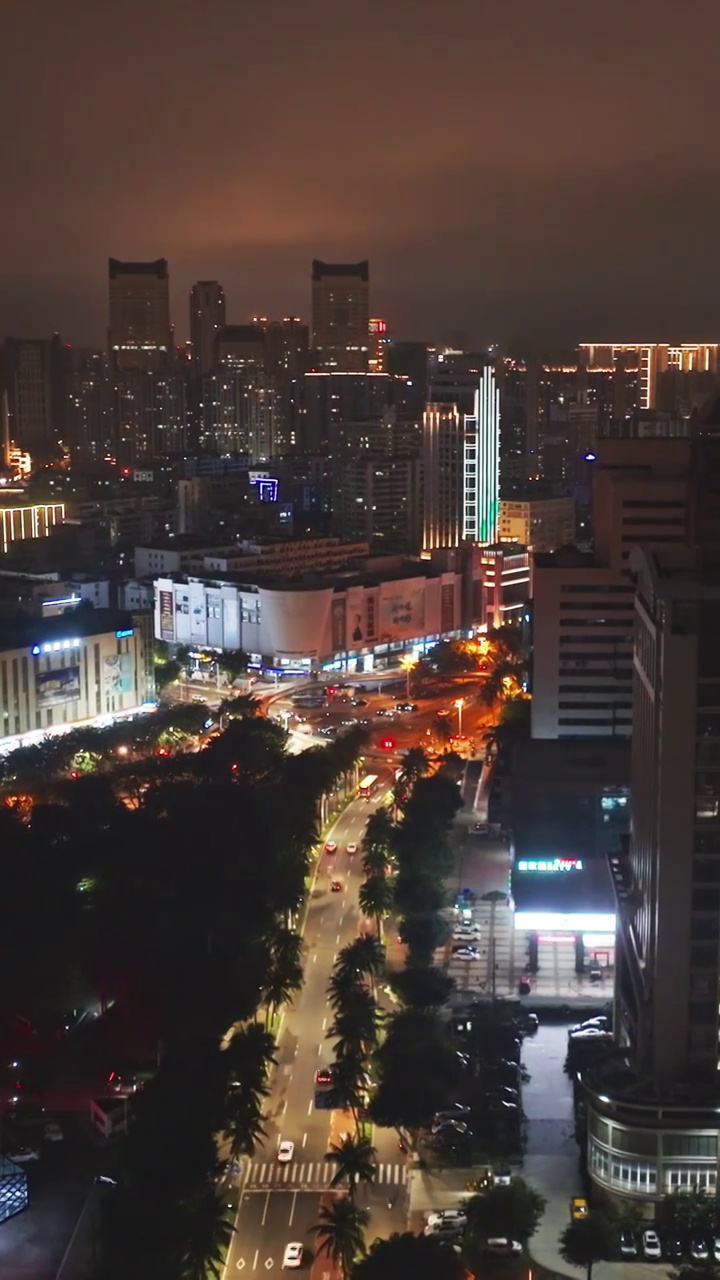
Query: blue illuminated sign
x=54 y=646
x=121 y=635
x=550 y=864
x=267 y=487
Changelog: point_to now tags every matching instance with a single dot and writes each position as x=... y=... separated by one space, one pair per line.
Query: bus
x=368 y=786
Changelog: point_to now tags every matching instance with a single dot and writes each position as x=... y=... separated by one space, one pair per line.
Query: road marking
x=255 y=1259
x=338 y=938
x=240 y=1264
x=310 y=1107
x=294 y=1173
x=314 y=959
x=320 y=1049
x=292 y=1209
x=262 y=1173
x=324 y=1023
x=264 y=1216
x=285 y=1173
x=269 y=1263
x=310 y=1172
x=304 y=1139
x=284 y=1107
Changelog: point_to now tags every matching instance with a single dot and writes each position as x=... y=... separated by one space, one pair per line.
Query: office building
x=643 y=490
x=20 y=520
x=207 y=318
x=540 y=521
x=378 y=497
x=239 y=346
x=91 y=433
x=502 y=584
x=287 y=342
x=326 y=401
x=377 y=344
x=139 y=332
x=653 y=1110
x=481 y=461
x=149 y=411
x=341 y=315
x=240 y=412
x=409 y=361
x=443 y=474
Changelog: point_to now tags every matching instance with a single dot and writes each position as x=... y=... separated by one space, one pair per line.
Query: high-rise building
x=240 y=414
x=653 y=1110
x=326 y=401
x=583 y=603
x=238 y=346
x=648 y=360
x=207 y=318
x=341 y=315
x=31 y=373
x=377 y=345
x=139 y=332
x=90 y=431
x=149 y=412
x=461 y=467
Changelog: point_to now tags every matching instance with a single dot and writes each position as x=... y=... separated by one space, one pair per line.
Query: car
x=589 y=1033
x=443 y=712
x=601 y=1023
x=699 y=1251
x=446 y=1215
x=716 y=1248
x=651 y=1248
x=466 y=929
x=452 y=1113
x=449 y=1228
x=578 y=1208
x=501 y=1247
x=331 y=846
x=336 y=886
x=465 y=952
x=674 y=1250
x=502 y=1177
x=53 y=1133
x=324 y=1076
x=502 y=1093
x=449 y=1127
x=406 y=706
x=384 y=711
x=293 y=1255
x=285 y=1152
x=351 y=848
x=23 y=1155
x=359 y=702
x=628 y=1245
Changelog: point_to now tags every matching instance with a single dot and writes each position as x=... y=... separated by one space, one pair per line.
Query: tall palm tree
x=354 y=1034
x=364 y=956
x=415 y=765
x=340 y=1232
x=349 y=1074
x=355 y=1160
x=378 y=841
x=243 y=1123
x=343 y=983
x=208 y=1235
x=375 y=897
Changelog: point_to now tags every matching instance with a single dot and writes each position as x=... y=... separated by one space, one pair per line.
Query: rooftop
x=25 y=631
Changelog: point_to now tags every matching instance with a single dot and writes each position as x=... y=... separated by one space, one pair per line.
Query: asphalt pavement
x=279 y=1203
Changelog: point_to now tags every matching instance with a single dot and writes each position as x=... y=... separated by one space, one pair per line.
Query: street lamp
x=459 y=703
x=408 y=662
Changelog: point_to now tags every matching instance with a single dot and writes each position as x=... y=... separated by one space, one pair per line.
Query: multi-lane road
x=279 y=1203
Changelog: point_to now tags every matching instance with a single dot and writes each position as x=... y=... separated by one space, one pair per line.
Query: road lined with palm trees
x=282 y=1202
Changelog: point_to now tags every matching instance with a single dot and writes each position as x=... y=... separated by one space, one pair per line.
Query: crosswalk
x=312 y=1175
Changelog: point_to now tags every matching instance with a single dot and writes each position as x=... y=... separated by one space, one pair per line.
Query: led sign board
x=549 y=864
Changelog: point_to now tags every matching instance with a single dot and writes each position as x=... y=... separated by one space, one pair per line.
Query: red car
x=331 y=846
x=324 y=1076
x=336 y=886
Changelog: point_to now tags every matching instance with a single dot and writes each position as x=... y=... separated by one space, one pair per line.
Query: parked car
x=600 y=1024
x=652 y=1251
x=446 y=1227
x=446 y=1215
x=699 y=1251
x=628 y=1245
x=502 y=1176
x=674 y=1250
x=716 y=1248
x=23 y=1155
x=450 y=1127
x=452 y=1113
x=465 y=952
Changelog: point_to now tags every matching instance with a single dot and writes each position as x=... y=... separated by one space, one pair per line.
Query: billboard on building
x=447 y=606
x=402 y=611
x=117 y=673
x=55 y=687
x=167 y=616
x=338 y=622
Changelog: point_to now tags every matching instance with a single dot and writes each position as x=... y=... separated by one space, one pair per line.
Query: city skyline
x=522 y=174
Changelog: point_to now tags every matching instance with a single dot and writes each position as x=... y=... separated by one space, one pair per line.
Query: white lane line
x=264 y=1216
x=320 y=1049
x=284 y=1107
x=397 y=1174
x=294 y=1173
x=324 y=1023
x=255 y=1260
x=292 y=1209
x=286 y=1173
x=314 y=959
x=310 y=1107
x=338 y=938
x=310 y=1172
x=304 y=1139
x=262 y=1173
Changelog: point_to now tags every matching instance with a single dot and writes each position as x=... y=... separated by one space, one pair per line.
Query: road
x=280 y=1203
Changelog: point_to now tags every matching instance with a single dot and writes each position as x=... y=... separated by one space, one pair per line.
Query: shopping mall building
x=352 y=620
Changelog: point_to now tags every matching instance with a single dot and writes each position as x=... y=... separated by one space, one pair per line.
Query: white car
x=23 y=1155
x=651 y=1245
x=53 y=1133
x=351 y=848
x=286 y=1151
x=293 y=1255
x=466 y=952
x=501 y=1247
x=466 y=934
x=502 y=1177
x=447 y=1215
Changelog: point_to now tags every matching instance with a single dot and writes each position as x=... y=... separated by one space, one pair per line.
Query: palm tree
x=244 y=1123
x=363 y=956
x=355 y=1032
x=378 y=841
x=349 y=1082
x=340 y=1232
x=286 y=971
x=415 y=765
x=375 y=897
x=242 y=707
x=343 y=983
x=208 y=1236
x=355 y=1160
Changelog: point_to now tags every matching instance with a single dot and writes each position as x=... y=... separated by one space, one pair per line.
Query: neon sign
x=265 y=486
x=550 y=864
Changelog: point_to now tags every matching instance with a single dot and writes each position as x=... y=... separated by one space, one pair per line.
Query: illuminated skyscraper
x=462 y=468
x=651 y=360
x=139 y=332
x=207 y=318
x=481 y=462
x=341 y=315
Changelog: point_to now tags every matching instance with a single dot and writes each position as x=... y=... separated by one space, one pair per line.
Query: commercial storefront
x=564 y=908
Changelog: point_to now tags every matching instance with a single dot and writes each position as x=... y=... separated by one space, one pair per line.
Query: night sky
x=530 y=169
